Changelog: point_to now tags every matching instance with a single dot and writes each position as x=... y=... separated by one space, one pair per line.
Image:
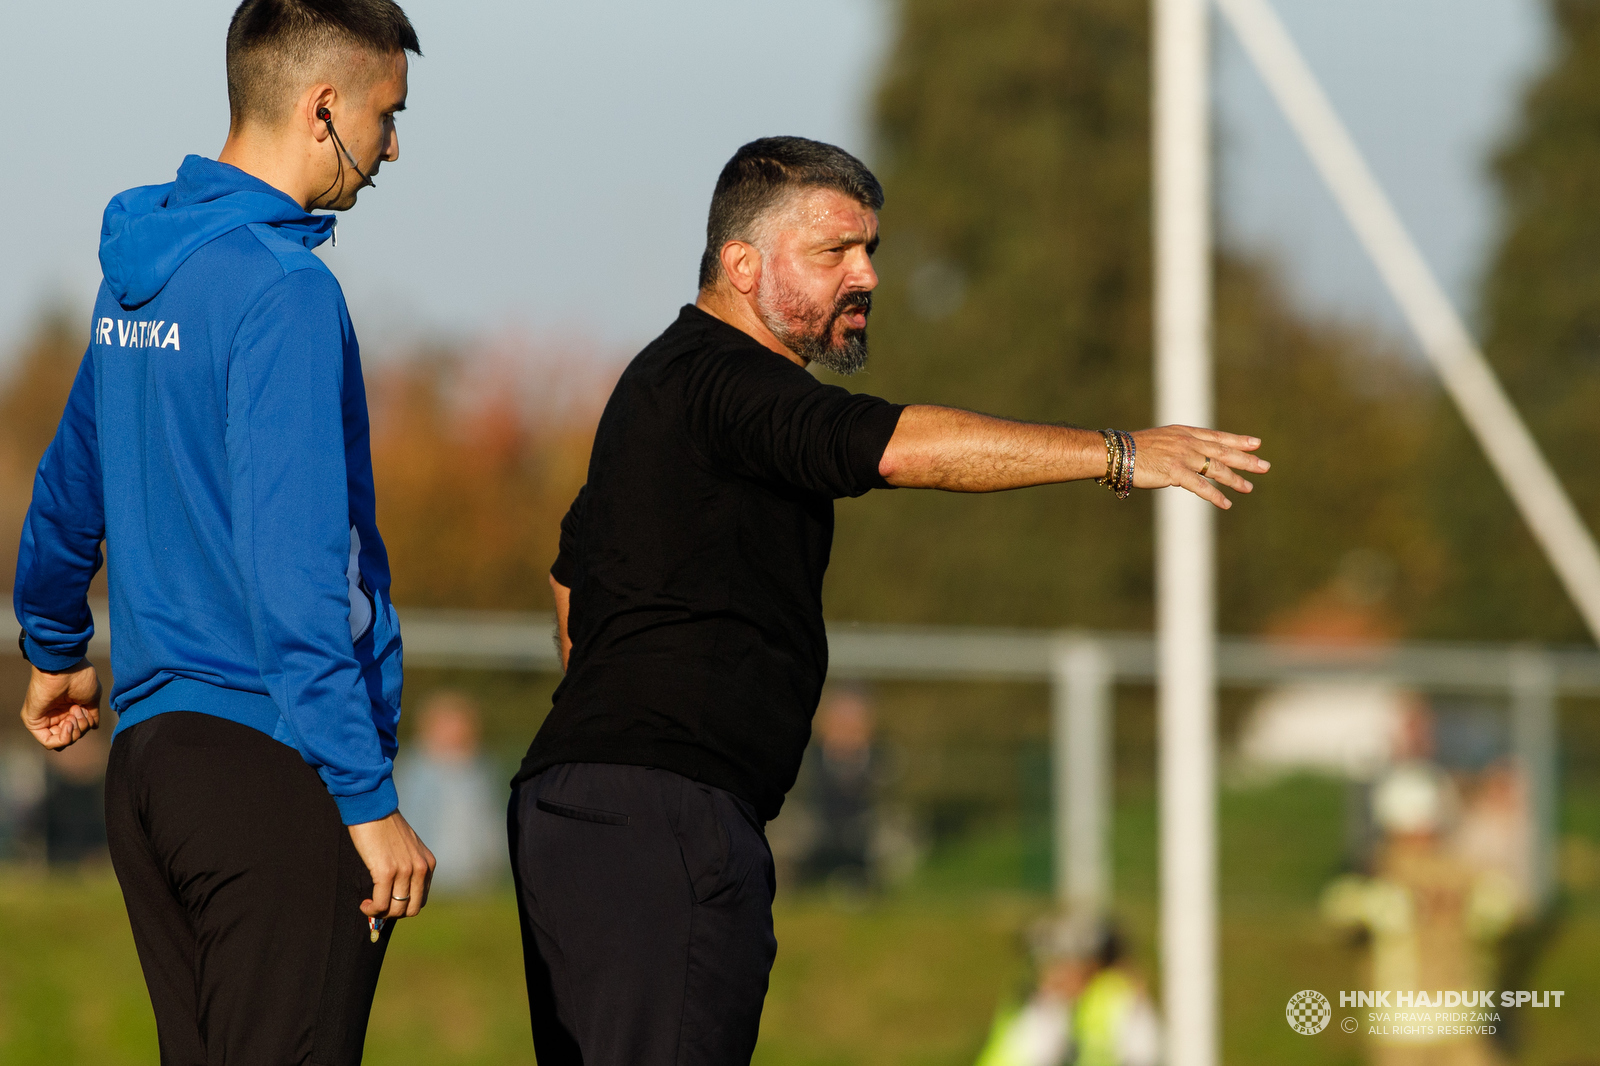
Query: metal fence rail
x=523 y=641
x=508 y=640
x=1082 y=669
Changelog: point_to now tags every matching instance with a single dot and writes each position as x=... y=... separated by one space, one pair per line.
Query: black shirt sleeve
x=566 y=564
x=756 y=413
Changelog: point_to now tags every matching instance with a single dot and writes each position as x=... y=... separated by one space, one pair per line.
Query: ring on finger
x=401 y=899
x=1206 y=466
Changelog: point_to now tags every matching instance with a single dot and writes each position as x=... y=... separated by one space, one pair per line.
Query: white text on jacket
x=138 y=333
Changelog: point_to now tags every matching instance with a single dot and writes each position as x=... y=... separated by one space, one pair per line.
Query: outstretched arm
x=961 y=451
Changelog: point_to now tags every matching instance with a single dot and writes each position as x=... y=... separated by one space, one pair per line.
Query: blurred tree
x=1014 y=143
x=32 y=397
x=474 y=469
x=473 y=476
x=1541 y=330
x=1345 y=419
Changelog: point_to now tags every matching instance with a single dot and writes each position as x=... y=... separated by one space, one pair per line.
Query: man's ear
x=318 y=97
x=741 y=262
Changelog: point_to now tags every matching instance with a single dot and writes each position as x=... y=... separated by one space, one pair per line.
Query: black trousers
x=646 y=904
x=244 y=892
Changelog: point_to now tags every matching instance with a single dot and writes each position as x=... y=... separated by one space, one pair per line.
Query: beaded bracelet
x=1126 y=486
x=1120 y=454
x=1113 y=449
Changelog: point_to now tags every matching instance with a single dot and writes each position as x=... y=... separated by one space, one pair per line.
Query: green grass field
x=911 y=978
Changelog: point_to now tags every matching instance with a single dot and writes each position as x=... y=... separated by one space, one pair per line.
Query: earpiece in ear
x=341 y=153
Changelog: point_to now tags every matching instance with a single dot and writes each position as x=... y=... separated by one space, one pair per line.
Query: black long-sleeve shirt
x=695 y=556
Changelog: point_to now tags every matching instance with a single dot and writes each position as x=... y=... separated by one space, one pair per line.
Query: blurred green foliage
x=1014 y=142
x=32 y=396
x=1540 y=312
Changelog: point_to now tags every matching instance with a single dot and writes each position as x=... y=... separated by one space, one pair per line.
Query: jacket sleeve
x=60 y=550
x=379 y=650
x=293 y=534
x=756 y=413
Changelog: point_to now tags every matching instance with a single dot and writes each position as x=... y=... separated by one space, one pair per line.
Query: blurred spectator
x=22 y=785
x=452 y=796
x=842 y=790
x=836 y=828
x=1496 y=837
x=1495 y=832
x=75 y=801
x=1114 y=1022
x=1087 y=1008
x=1429 y=915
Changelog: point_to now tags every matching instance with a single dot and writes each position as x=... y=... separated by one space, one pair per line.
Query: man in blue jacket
x=216 y=440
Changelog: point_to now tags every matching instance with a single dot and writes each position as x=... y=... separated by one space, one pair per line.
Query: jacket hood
x=149 y=232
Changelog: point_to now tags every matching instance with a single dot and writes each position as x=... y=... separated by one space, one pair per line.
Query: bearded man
x=689 y=608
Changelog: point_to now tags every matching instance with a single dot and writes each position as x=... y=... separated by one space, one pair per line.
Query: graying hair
x=759 y=179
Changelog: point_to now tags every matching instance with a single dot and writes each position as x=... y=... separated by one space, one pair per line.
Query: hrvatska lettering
x=137 y=333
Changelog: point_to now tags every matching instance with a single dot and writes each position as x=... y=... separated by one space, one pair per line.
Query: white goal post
x=1185 y=607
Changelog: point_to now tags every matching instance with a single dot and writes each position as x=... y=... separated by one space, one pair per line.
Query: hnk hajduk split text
x=1483 y=998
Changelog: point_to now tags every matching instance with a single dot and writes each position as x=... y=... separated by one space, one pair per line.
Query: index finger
x=381 y=902
x=1229 y=440
x=1235 y=458
x=63 y=735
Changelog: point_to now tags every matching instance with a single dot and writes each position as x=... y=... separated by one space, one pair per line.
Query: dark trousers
x=244 y=892
x=646 y=903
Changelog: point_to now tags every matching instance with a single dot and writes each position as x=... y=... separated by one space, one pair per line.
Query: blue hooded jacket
x=216 y=440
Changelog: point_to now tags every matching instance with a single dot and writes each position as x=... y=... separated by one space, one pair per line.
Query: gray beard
x=808 y=332
x=846 y=357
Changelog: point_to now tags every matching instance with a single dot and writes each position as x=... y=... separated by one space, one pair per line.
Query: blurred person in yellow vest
x=1087 y=1008
x=1430 y=916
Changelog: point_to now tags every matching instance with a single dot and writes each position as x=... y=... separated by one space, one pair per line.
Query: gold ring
x=1206 y=467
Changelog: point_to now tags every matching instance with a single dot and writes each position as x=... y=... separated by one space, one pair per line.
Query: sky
x=556 y=159
x=1428 y=88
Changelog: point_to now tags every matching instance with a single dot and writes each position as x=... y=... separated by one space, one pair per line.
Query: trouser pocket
x=701 y=827
x=582 y=814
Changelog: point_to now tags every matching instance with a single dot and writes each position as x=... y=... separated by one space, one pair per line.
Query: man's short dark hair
x=762 y=174
x=276 y=45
